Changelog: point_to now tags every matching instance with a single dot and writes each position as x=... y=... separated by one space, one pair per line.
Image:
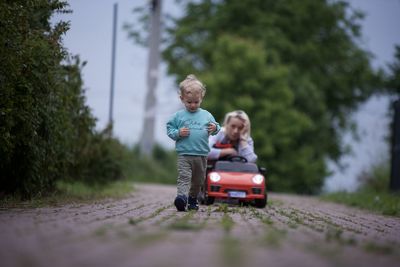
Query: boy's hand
x=183 y=132
x=211 y=128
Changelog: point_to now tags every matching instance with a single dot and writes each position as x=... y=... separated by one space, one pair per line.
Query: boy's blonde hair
x=241 y=115
x=191 y=85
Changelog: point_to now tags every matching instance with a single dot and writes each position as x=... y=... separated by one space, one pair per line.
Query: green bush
x=47 y=131
x=382 y=202
x=98 y=161
x=32 y=125
x=376 y=179
x=159 y=168
x=373 y=193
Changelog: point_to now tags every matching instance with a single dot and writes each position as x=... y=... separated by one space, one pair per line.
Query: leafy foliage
x=46 y=131
x=376 y=178
x=159 y=168
x=373 y=193
x=293 y=66
x=30 y=97
x=381 y=202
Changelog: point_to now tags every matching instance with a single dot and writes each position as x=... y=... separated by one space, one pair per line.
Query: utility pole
x=395 y=170
x=114 y=40
x=147 y=139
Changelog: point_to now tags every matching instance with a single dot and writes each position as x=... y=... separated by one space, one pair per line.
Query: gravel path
x=144 y=229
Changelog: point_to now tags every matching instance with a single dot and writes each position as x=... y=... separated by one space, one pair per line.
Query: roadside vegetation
x=70 y=192
x=49 y=145
x=373 y=193
x=159 y=168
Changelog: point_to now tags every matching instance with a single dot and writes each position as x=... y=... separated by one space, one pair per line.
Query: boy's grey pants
x=191 y=174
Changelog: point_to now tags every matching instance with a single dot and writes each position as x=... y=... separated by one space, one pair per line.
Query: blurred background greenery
x=373 y=194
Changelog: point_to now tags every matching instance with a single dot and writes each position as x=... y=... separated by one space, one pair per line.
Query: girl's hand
x=228 y=152
x=243 y=141
x=183 y=132
x=211 y=128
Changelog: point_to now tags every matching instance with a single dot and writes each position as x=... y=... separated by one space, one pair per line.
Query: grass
x=186 y=223
x=231 y=251
x=135 y=221
x=274 y=237
x=374 y=194
x=381 y=202
x=379 y=249
x=227 y=223
x=70 y=193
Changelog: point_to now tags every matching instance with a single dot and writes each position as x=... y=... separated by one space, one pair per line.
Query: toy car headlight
x=215 y=177
x=258 y=179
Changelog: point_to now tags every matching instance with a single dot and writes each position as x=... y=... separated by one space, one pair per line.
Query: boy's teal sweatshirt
x=196 y=143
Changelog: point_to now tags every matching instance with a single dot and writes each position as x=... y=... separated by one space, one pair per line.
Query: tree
x=294 y=66
x=393 y=88
x=278 y=123
x=393 y=79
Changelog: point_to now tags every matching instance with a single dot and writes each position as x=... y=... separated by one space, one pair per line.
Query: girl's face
x=234 y=128
x=191 y=101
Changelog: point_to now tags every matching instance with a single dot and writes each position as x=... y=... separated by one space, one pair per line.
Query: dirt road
x=144 y=229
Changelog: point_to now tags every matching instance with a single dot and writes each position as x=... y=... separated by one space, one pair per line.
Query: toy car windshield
x=229 y=166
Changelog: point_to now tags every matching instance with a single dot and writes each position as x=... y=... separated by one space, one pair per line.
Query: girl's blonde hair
x=191 y=85
x=241 y=115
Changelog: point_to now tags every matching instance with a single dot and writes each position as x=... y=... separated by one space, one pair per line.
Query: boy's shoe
x=180 y=202
x=193 y=205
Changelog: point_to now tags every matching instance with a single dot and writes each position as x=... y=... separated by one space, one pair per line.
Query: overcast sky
x=90 y=37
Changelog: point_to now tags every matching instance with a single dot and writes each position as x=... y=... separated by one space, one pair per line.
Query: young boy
x=190 y=128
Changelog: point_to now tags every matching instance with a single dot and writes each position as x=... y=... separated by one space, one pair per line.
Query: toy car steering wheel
x=237 y=159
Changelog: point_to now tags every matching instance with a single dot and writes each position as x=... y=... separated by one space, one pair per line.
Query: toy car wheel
x=261 y=203
x=243 y=203
x=200 y=197
x=203 y=198
x=209 y=200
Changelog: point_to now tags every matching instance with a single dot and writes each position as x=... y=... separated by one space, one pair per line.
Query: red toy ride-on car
x=235 y=178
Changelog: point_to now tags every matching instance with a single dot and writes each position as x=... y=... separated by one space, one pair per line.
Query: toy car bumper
x=218 y=191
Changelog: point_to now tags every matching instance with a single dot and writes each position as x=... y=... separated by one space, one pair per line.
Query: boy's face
x=191 y=101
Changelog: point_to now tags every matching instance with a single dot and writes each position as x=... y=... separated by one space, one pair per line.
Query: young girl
x=234 y=138
x=190 y=128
